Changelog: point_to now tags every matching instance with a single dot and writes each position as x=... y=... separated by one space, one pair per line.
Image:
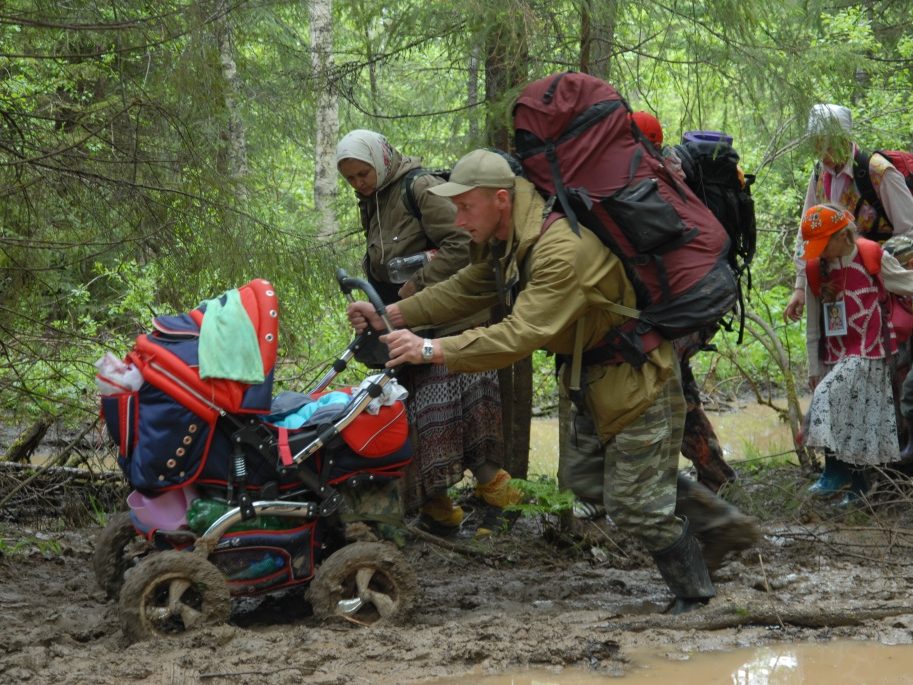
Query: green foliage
x=121 y=200
x=541 y=496
x=17 y=544
x=99 y=514
x=730 y=369
x=545 y=388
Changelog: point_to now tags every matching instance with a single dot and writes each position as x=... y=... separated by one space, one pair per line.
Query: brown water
x=749 y=432
x=831 y=663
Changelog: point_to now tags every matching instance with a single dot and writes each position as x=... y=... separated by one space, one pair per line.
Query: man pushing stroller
x=560 y=293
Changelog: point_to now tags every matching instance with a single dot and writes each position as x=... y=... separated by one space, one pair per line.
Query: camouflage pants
x=577 y=443
x=634 y=474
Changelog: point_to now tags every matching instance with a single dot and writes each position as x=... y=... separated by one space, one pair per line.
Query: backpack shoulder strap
x=869 y=250
x=871 y=255
x=871 y=259
x=550 y=218
x=813 y=274
x=867 y=192
x=407 y=184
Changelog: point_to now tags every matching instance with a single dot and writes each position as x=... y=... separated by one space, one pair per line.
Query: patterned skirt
x=455 y=420
x=852 y=412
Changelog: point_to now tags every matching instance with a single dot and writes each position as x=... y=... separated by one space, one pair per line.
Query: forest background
x=156 y=154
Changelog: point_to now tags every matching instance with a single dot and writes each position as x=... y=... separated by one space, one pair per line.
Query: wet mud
x=532 y=599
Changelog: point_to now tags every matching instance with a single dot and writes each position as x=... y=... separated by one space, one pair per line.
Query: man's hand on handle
x=361 y=315
x=404 y=346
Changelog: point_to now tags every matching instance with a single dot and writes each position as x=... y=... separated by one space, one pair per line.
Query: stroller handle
x=348 y=283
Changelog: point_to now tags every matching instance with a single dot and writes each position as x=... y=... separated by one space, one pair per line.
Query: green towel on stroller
x=228 y=342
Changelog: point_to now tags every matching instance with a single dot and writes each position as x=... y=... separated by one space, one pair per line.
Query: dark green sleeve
x=452 y=243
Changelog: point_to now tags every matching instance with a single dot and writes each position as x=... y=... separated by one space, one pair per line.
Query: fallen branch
x=468 y=550
x=25 y=445
x=57 y=462
x=725 y=617
x=71 y=495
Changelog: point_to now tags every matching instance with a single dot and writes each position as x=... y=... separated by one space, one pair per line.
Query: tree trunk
x=506 y=68
x=327 y=114
x=516 y=411
x=236 y=137
x=472 y=91
x=597 y=36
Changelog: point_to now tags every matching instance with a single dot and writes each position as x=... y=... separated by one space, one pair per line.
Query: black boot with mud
x=721 y=528
x=905 y=459
x=682 y=566
x=494 y=520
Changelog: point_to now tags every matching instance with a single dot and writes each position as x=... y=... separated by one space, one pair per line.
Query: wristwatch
x=427 y=350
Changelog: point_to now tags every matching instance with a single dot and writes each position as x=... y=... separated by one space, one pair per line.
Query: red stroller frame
x=271 y=473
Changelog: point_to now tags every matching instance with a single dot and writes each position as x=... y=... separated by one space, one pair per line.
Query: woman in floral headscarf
x=456 y=418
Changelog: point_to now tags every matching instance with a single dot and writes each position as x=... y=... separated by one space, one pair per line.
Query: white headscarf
x=368 y=147
x=824 y=119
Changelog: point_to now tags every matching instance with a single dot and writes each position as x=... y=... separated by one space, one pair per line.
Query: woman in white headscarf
x=834 y=181
x=456 y=418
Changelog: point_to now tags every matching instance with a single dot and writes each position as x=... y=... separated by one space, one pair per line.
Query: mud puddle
x=835 y=663
x=533 y=604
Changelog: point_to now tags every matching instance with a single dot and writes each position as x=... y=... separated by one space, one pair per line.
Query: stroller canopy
x=169 y=355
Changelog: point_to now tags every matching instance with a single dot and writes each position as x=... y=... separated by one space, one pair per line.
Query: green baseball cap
x=478 y=169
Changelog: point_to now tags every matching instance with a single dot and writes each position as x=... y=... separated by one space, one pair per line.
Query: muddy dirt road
x=528 y=600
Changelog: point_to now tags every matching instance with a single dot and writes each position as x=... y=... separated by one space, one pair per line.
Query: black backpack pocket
x=650 y=224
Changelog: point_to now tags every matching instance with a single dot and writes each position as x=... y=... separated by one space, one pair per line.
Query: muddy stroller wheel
x=170 y=593
x=116 y=550
x=364 y=582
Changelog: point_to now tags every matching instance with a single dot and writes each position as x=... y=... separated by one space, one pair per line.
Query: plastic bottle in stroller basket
x=246 y=564
x=202 y=513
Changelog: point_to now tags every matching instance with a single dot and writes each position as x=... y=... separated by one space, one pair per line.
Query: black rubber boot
x=720 y=527
x=682 y=566
x=859 y=487
x=906 y=454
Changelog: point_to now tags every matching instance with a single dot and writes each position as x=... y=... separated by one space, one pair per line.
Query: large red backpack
x=578 y=144
x=897 y=308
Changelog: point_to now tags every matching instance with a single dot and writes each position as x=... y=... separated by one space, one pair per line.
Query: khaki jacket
x=391 y=231
x=565 y=278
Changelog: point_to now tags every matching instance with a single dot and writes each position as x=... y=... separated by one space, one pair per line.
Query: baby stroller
x=228 y=501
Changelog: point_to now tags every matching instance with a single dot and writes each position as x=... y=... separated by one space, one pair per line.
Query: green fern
x=541 y=496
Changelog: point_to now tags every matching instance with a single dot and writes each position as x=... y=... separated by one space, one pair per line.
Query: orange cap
x=649 y=125
x=818 y=225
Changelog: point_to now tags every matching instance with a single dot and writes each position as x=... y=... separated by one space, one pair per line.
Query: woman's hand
x=408 y=290
x=796 y=306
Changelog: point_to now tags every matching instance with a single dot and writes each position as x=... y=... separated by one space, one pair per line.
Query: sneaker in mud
x=587 y=511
